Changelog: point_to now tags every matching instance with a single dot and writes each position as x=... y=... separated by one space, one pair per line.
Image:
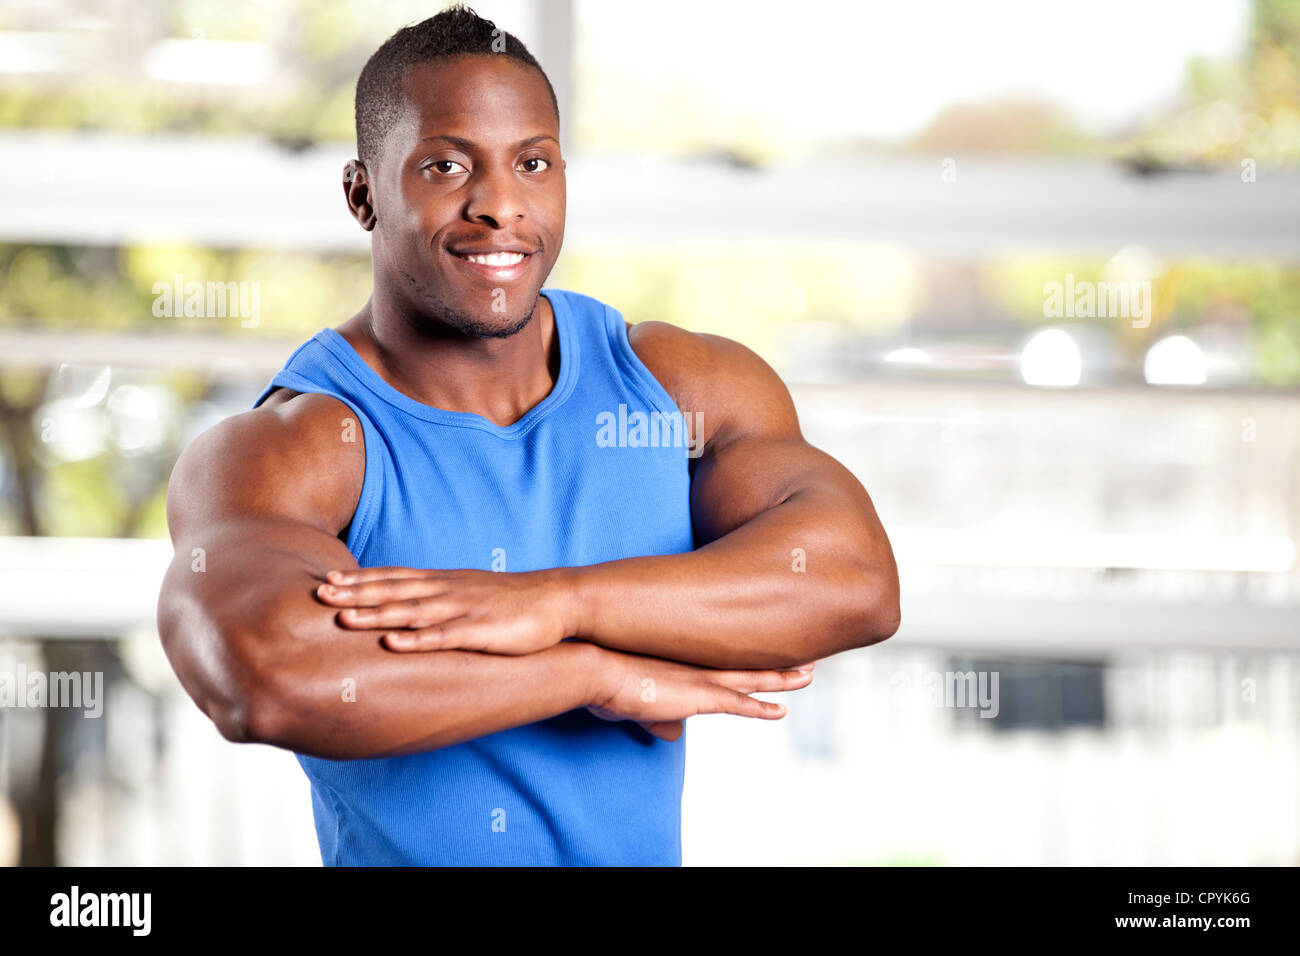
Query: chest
x=559 y=496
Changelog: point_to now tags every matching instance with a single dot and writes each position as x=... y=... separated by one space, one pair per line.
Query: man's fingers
x=381 y=591
x=730 y=702
x=361 y=575
x=747 y=682
x=413 y=613
x=439 y=637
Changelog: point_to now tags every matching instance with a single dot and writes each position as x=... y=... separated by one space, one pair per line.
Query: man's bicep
x=251 y=543
x=741 y=417
x=754 y=454
x=744 y=478
x=254 y=508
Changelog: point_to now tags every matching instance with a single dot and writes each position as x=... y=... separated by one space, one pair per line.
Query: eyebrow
x=469 y=145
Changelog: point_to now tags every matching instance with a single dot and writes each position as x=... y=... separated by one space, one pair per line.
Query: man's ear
x=356 y=188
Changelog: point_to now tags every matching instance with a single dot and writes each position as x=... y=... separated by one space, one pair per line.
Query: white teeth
x=497 y=259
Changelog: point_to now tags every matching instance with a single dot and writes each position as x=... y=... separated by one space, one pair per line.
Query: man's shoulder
x=295 y=449
x=297 y=427
x=694 y=360
x=723 y=382
x=306 y=414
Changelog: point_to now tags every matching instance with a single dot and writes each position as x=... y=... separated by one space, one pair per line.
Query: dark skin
x=281 y=617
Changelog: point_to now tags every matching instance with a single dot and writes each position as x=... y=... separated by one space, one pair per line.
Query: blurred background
x=1031 y=270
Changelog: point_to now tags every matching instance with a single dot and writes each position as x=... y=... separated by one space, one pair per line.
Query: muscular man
x=477 y=553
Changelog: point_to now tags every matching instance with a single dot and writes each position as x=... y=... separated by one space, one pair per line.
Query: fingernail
x=325 y=590
x=335 y=576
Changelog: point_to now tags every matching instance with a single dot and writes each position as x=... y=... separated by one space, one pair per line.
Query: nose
x=494 y=197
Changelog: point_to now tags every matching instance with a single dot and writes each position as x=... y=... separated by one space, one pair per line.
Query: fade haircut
x=457 y=31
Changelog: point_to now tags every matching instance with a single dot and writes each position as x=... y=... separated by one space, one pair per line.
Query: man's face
x=473 y=166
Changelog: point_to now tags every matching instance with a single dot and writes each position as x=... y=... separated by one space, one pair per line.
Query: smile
x=501 y=266
x=497 y=258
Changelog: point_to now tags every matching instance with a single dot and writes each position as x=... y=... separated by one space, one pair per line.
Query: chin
x=475 y=321
x=492 y=326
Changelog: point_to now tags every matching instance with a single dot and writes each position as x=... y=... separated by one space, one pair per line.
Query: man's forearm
x=380 y=704
x=784 y=588
x=276 y=668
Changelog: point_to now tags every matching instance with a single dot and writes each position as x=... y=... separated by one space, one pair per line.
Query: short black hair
x=457 y=31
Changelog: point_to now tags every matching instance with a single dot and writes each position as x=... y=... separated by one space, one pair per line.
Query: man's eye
x=439 y=163
x=537 y=159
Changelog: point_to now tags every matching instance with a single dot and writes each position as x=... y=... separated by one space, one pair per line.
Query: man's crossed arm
x=794 y=564
x=257 y=504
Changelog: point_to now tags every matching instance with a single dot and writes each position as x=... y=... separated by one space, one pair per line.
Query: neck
x=497 y=378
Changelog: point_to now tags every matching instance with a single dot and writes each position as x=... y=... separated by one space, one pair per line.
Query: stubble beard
x=467 y=323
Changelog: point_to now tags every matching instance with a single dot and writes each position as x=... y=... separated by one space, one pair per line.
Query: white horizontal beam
x=99 y=188
x=1024 y=549
x=237 y=355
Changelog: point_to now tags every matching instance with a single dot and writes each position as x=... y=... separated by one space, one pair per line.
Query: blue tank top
x=578 y=480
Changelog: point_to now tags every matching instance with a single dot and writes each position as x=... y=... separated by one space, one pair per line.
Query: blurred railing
x=173 y=188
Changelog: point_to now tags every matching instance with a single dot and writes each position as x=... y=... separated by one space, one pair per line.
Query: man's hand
x=490 y=611
x=660 y=694
x=520 y=613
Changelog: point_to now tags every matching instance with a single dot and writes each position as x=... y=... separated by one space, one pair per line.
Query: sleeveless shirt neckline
x=564 y=381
